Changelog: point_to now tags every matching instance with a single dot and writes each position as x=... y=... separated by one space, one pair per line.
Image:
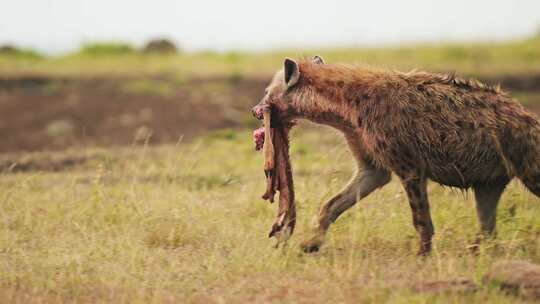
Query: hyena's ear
x=291 y=71
x=318 y=60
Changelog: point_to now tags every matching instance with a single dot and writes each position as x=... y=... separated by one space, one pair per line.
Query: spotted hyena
x=420 y=126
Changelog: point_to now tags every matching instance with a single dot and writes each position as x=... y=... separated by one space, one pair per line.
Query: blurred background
x=77 y=73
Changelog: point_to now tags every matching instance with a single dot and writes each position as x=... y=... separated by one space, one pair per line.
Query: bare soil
x=43 y=113
x=53 y=114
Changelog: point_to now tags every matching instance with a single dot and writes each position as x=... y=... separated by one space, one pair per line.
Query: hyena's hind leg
x=364 y=182
x=487 y=198
x=416 y=188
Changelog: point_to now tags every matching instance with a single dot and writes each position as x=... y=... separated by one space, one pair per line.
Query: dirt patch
x=535 y=107
x=42 y=113
x=525 y=82
x=518 y=277
x=11 y=163
x=439 y=286
x=52 y=114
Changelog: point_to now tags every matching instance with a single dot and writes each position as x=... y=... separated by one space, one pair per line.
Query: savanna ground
x=152 y=190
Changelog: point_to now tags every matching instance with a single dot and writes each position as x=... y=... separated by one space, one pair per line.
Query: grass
x=478 y=59
x=185 y=223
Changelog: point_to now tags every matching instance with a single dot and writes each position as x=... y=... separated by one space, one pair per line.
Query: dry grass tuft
x=170 y=234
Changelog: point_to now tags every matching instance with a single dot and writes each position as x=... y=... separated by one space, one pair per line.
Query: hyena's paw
x=312 y=245
x=425 y=250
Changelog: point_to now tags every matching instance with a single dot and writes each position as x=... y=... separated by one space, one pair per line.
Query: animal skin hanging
x=273 y=138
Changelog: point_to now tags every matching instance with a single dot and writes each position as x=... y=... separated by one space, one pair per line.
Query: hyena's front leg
x=416 y=189
x=364 y=182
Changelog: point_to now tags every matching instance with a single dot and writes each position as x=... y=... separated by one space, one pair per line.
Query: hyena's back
x=459 y=133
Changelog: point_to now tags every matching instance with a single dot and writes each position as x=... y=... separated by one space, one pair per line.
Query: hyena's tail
x=523 y=152
x=532 y=181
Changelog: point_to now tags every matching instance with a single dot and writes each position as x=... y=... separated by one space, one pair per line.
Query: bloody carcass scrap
x=273 y=139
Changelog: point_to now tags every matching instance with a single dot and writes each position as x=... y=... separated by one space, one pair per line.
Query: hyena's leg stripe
x=365 y=182
x=418 y=200
x=487 y=198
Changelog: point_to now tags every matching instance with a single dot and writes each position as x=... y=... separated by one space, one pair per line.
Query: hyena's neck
x=313 y=106
x=336 y=95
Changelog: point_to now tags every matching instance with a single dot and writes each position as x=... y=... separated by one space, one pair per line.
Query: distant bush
x=162 y=46
x=11 y=50
x=106 y=48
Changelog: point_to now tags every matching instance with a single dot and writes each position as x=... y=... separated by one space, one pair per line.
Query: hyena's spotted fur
x=418 y=125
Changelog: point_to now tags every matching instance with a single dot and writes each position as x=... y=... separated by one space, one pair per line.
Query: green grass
x=186 y=224
x=479 y=59
x=106 y=49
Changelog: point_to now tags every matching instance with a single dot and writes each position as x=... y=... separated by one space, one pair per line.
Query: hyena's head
x=285 y=93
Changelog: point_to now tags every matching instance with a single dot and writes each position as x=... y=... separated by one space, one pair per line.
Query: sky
x=59 y=26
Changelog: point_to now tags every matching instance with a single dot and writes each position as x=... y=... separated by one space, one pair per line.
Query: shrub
x=11 y=50
x=162 y=46
x=106 y=48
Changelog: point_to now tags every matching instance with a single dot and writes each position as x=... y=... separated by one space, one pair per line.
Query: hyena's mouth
x=276 y=121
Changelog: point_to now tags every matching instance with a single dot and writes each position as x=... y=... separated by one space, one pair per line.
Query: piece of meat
x=282 y=181
x=258 y=138
x=278 y=171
